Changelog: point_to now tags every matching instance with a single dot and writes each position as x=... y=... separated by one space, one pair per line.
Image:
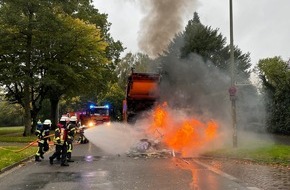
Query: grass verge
x=18 y=139
x=272 y=154
x=11 y=130
x=11 y=140
x=14 y=134
x=8 y=157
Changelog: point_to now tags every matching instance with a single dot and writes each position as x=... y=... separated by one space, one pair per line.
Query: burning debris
x=168 y=133
x=149 y=149
x=172 y=134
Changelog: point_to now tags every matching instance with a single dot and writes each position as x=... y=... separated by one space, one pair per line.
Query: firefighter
x=64 y=120
x=40 y=139
x=82 y=139
x=46 y=129
x=60 y=141
x=71 y=130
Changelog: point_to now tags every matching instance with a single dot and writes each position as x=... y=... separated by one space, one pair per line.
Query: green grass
x=11 y=130
x=267 y=154
x=14 y=134
x=8 y=157
x=18 y=139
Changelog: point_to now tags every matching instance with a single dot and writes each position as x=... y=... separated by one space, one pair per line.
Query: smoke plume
x=163 y=20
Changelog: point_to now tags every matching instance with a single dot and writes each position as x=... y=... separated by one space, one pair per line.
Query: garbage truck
x=141 y=94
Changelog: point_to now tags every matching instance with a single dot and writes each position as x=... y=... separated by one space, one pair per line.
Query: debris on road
x=149 y=149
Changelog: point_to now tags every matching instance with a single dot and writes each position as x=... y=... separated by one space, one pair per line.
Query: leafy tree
x=47 y=51
x=10 y=114
x=83 y=62
x=211 y=45
x=275 y=76
x=18 y=58
x=196 y=73
x=99 y=76
x=114 y=98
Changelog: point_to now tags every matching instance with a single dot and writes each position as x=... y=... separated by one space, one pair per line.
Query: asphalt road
x=94 y=169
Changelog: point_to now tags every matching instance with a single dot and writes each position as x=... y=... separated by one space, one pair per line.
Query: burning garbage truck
x=168 y=131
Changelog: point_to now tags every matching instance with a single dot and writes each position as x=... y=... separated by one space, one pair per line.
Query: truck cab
x=95 y=115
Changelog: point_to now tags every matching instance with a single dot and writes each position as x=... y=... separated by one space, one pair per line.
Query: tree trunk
x=27 y=115
x=26 y=83
x=34 y=121
x=54 y=111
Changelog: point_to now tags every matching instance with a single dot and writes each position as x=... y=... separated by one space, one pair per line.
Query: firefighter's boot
x=69 y=157
x=64 y=164
x=37 y=159
x=51 y=160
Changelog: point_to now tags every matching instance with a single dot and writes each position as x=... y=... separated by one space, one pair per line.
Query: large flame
x=182 y=134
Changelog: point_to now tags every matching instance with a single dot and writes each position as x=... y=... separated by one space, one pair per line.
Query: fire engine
x=95 y=115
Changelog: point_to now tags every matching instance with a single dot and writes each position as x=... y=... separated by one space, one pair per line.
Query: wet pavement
x=255 y=176
x=264 y=177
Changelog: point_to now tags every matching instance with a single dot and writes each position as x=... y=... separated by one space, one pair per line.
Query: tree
x=275 y=76
x=100 y=75
x=196 y=73
x=211 y=45
x=114 y=98
x=81 y=66
x=18 y=58
x=10 y=114
x=47 y=51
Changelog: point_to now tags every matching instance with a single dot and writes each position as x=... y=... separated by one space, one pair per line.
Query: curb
x=15 y=164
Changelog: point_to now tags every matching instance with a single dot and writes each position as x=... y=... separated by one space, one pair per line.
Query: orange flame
x=183 y=135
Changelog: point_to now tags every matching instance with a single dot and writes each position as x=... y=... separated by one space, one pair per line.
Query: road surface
x=95 y=169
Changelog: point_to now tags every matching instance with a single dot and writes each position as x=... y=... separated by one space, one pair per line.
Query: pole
x=232 y=63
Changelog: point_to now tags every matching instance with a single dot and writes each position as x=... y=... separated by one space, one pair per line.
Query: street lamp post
x=232 y=89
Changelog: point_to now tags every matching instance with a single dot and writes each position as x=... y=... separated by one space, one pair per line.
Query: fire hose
x=29 y=145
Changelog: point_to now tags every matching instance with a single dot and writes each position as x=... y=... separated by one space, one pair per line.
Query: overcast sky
x=261 y=27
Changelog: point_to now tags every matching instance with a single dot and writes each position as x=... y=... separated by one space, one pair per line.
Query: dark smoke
x=163 y=20
x=196 y=86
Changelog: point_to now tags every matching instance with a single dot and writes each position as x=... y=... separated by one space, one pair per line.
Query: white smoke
x=116 y=138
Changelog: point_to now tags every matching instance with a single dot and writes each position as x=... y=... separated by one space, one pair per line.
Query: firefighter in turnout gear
x=71 y=130
x=82 y=139
x=60 y=141
x=40 y=139
x=46 y=130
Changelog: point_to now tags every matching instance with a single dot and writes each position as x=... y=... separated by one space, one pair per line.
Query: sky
x=261 y=27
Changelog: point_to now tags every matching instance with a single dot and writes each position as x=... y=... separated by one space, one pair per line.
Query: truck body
x=141 y=94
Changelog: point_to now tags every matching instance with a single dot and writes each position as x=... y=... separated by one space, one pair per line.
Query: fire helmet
x=64 y=118
x=47 y=122
x=73 y=118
